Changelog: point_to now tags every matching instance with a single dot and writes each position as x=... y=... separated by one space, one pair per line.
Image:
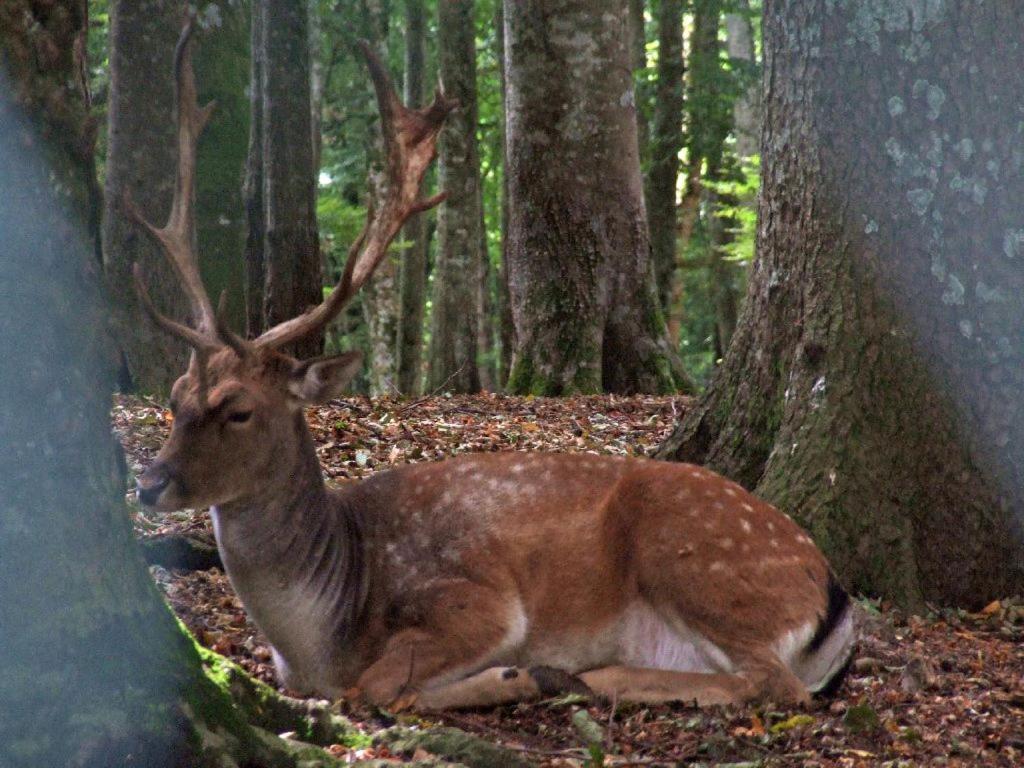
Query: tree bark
x=412 y=273
x=666 y=142
x=222 y=75
x=458 y=273
x=141 y=163
x=379 y=297
x=293 y=281
x=874 y=384
x=746 y=111
x=252 y=187
x=506 y=331
x=586 y=313
x=96 y=670
x=638 y=63
x=711 y=120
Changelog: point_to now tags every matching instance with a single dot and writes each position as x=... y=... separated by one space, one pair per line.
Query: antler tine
x=176 y=237
x=195 y=339
x=410 y=145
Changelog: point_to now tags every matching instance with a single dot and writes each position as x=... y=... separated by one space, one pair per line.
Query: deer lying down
x=483 y=579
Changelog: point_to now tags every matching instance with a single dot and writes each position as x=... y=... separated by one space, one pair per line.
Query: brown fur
x=412 y=586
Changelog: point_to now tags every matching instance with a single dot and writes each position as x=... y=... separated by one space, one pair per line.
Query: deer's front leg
x=450 y=632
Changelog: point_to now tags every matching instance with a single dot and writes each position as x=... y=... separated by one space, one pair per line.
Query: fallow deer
x=482 y=579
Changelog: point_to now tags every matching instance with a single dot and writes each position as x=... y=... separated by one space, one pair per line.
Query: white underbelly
x=647 y=640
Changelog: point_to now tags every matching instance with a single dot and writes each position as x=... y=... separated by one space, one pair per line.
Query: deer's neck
x=294 y=555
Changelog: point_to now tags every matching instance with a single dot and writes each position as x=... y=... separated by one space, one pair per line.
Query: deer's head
x=238 y=408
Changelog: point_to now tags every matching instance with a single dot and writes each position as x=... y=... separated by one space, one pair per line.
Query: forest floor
x=941 y=689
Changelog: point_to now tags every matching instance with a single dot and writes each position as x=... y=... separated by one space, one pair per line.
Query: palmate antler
x=410 y=145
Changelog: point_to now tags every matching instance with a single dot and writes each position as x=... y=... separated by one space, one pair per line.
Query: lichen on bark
x=868 y=391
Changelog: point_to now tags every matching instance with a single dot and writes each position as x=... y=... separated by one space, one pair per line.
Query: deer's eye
x=239 y=417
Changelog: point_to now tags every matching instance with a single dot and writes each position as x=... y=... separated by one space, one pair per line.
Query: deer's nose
x=151 y=484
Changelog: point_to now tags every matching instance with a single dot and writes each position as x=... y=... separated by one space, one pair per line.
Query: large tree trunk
x=666 y=142
x=458 y=273
x=141 y=161
x=412 y=274
x=586 y=313
x=293 y=280
x=874 y=385
x=96 y=670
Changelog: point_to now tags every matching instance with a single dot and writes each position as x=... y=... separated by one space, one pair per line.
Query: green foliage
x=741 y=190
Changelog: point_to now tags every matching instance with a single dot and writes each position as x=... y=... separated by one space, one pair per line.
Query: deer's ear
x=316 y=381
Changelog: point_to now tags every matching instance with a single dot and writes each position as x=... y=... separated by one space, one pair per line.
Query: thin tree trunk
x=485 y=350
x=412 y=275
x=141 y=163
x=666 y=142
x=506 y=330
x=252 y=188
x=746 y=111
x=711 y=121
x=457 y=276
x=292 y=242
x=379 y=297
x=586 y=312
x=874 y=383
x=638 y=63
x=223 y=73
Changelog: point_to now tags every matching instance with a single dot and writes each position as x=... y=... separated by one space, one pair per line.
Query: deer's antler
x=410 y=145
x=176 y=237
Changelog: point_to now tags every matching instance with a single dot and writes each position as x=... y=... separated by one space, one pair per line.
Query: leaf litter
x=944 y=689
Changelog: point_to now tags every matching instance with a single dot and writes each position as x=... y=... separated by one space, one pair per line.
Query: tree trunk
x=666 y=142
x=638 y=63
x=141 y=163
x=586 y=313
x=457 y=275
x=255 y=238
x=412 y=273
x=874 y=385
x=711 y=120
x=506 y=330
x=379 y=297
x=96 y=670
x=222 y=75
x=291 y=242
x=746 y=111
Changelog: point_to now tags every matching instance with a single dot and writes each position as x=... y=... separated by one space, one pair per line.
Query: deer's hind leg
x=656 y=686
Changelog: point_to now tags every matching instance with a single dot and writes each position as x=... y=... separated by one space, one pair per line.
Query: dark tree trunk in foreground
x=666 y=141
x=585 y=309
x=140 y=163
x=412 y=271
x=293 y=280
x=96 y=671
x=874 y=387
x=458 y=273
